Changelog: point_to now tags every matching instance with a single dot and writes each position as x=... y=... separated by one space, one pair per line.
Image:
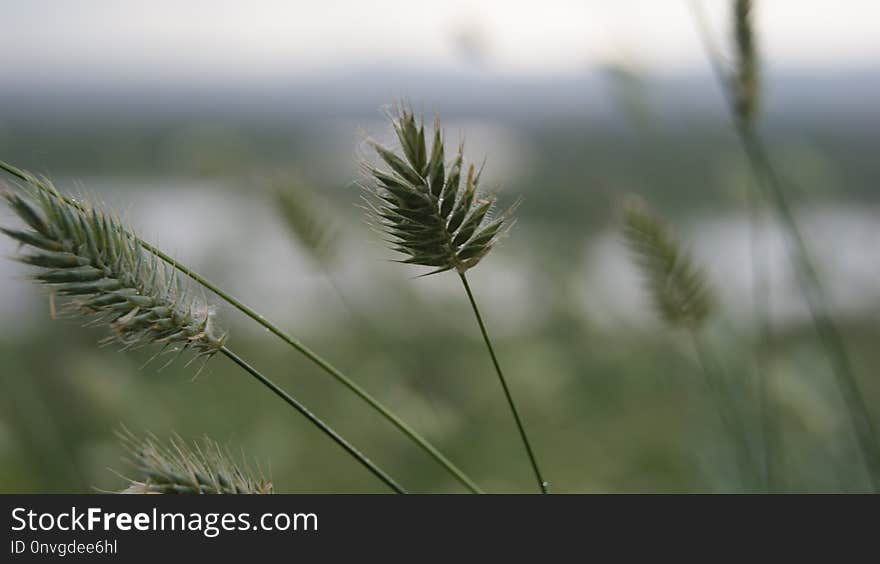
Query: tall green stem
x=761 y=314
x=519 y=424
x=823 y=322
x=730 y=416
x=808 y=279
x=360 y=457
x=293 y=342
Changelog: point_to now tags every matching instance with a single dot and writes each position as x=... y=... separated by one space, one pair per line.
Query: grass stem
x=728 y=413
x=519 y=424
x=817 y=302
x=290 y=340
x=761 y=313
x=368 y=464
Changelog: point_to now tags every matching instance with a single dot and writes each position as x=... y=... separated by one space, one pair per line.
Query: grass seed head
x=678 y=288
x=429 y=209
x=306 y=219
x=746 y=80
x=203 y=467
x=90 y=257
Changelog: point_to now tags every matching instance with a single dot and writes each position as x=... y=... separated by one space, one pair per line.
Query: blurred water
x=842 y=237
x=236 y=239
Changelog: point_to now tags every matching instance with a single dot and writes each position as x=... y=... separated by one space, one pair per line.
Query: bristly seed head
x=178 y=468
x=677 y=286
x=91 y=257
x=423 y=208
x=306 y=219
x=746 y=85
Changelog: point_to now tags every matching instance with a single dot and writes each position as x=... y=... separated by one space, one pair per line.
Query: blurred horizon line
x=363 y=90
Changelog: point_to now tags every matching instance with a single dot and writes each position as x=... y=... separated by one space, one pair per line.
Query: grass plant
x=435 y=215
x=196 y=468
x=89 y=256
x=741 y=90
x=683 y=299
x=43 y=186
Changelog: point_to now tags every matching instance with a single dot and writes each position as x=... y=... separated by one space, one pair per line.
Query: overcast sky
x=225 y=38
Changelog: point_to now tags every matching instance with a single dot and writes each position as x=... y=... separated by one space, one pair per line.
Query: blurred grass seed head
x=678 y=288
x=307 y=219
x=746 y=79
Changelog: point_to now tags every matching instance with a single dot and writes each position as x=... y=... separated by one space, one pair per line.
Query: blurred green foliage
x=617 y=410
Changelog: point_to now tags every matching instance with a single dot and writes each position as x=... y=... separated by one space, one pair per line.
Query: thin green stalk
x=745 y=110
x=519 y=424
x=296 y=344
x=771 y=439
x=808 y=279
x=730 y=416
x=378 y=472
x=761 y=314
x=823 y=322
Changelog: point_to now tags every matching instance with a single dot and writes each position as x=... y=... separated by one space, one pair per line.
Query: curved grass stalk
x=314 y=419
x=278 y=332
x=93 y=259
x=542 y=483
x=773 y=188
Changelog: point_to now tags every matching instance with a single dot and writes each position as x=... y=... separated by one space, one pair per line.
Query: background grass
x=613 y=402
